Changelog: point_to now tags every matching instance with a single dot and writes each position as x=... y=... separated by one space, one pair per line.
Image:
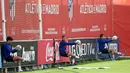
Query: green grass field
x=119 y=66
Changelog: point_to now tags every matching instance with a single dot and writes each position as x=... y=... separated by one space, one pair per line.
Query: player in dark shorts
x=102 y=41
x=6 y=50
x=62 y=49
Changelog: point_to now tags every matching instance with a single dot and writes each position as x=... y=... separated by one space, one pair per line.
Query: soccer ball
x=115 y=37
x=78 y=41
x=18 y=47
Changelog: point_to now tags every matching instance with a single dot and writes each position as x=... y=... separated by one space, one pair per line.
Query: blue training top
x=63 y=44
x=101 y=43
x=6 y=50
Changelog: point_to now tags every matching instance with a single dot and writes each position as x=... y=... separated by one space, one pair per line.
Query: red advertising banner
x=45 y=52
x=58 y=57
x=22 y=20
x=122 y=24
x=89 y=18
x=51 y=18
x=76 y=18
x=0 y=22
x=121 y=2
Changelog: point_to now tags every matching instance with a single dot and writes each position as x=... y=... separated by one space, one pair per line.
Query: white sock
x=73 y=61
x=19 y=68
x=113 y=56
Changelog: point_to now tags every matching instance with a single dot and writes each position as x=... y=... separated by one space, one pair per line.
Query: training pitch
x=119 y=66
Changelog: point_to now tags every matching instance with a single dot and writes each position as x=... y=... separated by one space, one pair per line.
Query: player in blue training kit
x=62 y=49
x=6 y=49
x=102 y=41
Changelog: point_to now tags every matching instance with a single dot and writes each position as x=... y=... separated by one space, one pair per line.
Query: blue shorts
x=9 y=59
x=64 y=54
x=105 y=51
